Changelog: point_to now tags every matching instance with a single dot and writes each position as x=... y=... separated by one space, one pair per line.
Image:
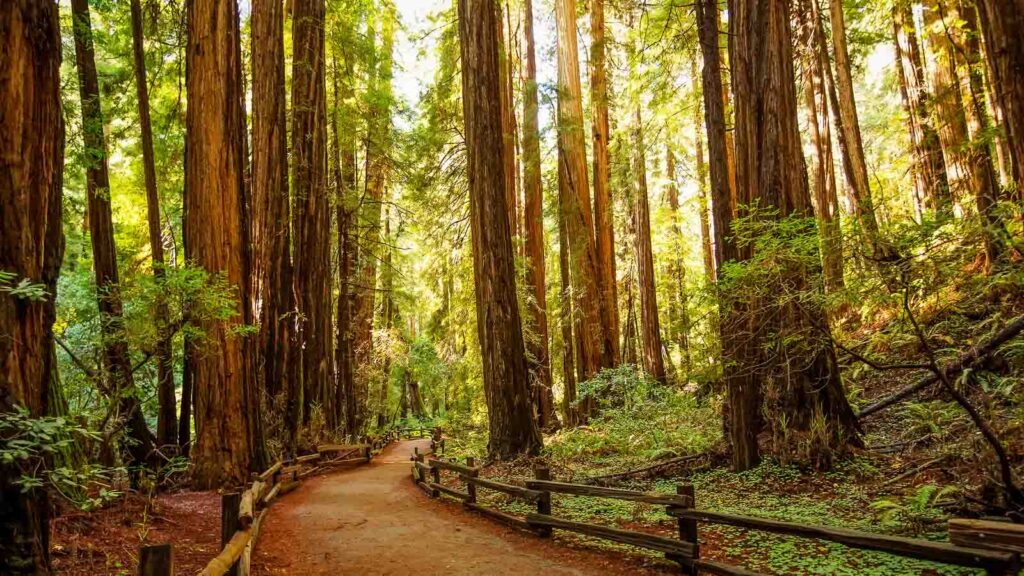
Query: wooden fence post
x=541 y=472
x=470 y=487
x=156 y=560
x=688 y=528
x=229 y=524
x=435 y=477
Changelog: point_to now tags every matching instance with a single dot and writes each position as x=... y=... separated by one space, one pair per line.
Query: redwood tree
x=512 y=430
x=31 y=171
x=790 y=350
x=167 y=421
x=311 y=217
x=116 y=360
x=228 y=443
x=271 y=232
x=534 y=225
x=596 y=350
x=603 y=230
x=1001 y=25
x=650 y=329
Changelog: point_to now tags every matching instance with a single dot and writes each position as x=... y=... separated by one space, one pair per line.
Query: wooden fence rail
x=992 y=548
x=242 y=513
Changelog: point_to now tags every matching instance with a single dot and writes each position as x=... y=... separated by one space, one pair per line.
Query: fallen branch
x=649 y=468
x=915 y=470
x=965 y=361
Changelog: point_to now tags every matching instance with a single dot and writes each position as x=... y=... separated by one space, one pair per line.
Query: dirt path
x=372 y=520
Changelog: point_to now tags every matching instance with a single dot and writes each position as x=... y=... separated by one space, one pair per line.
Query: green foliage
x=33 y=445
x=638 y=419
x=25 y=289
x=918 y=510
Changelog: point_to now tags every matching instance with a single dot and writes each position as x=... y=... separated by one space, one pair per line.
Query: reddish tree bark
x=119 y=384
x=31 y=171
x=650 y=328
x=271 y=231
x=534 y=227
x=229 y=439
x=511 y=428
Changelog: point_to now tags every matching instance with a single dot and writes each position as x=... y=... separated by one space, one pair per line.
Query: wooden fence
x=995 y=559
x=242 y=513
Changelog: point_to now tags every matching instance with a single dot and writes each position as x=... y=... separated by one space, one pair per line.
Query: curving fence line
x=995 y=551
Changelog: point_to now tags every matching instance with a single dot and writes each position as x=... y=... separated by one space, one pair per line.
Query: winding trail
x=372 y=520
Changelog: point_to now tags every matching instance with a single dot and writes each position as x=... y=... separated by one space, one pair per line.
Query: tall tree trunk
x=534 y=228
x=311 y=220
x=167 y=417
x=116 y=359
x=949 y=110
x=229 y=441
x=797 y=358
x=742 y=421
x=826 y=198
x=569 y=410
x=707 y=251
x=654 y=363
x=929 y=166
x=986 y=183
x=271 y=231
x=345 y=207
x=31 y=183
x=604 y=230
x=574 y=199
x=677 y=269
x=855 y=165
x=1001 y=23
x=378 y=135
x=511 y=427
x=508 y=121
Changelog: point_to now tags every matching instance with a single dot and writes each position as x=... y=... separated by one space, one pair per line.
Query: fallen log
x=966 y=360
x=649 y=468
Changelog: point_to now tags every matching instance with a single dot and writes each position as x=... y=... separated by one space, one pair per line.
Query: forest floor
x=373 y=520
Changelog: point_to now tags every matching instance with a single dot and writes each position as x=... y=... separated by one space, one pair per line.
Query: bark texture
x=534 y=228
x=604 y=231
x=228 y=441
x=650 y=328
x=596 y=350
x=31 y=172
x=1001 y=25
x=311 y=217
x=117 y=382
x=511 y=427
x=271 y=231
x=790 y=355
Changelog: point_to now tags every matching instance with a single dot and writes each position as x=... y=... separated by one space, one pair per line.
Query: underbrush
x=639 y=421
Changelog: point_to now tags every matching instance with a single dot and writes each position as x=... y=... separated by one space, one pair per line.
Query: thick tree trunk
x=229 y=441
x=116 y=359
x=986 y=184
x=31 y=172
x=511 y=427
x=929 y=166
x=824 y=180
x=604 y=230
x=596 y=348
x=742 y=421
x=797 y=359
x=311 y=220
x=167 y=417
x=650 y=328
x=508 y=122
x=1001 y=24
x=271 y=231
x=534 y=228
